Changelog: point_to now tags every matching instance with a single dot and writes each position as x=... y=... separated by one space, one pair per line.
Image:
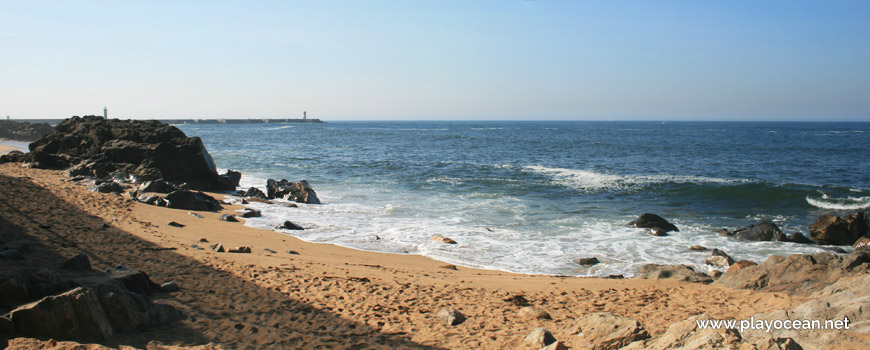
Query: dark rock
x=831 y=229
x=288 y=225
x=149 y=199
x=231 y=178
x=540 y=337
x=270 y=251
x=292 y=252
x=587 y=261
x=229 y=218
x=683 y=273
x=149 y=150
x=242 y=249
x=856 y=259
x=218 y=247
x=76 y=314
x=254 y=192
x=797 y=237
x=764 y=231
x=697 y=248
x=654 y=222
x=251 y=213
x=450 y=316
x=11 y=254
x=517 y=300
x=21 y=245
x=109 y=187
x=184 y=199
x=13 y=288
x=195 y=215
x=175 y=224
x=157 y=186
x=22 y=131
x=78 y=263
x=300 y=192
x=170 y=287
x=134 y=281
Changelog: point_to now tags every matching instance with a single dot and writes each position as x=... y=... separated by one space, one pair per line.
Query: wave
x=848 y=203
x=280 y=127
x=586 y=180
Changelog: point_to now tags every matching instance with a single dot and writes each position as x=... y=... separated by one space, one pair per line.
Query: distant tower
x=304 y=115
x=105 y=113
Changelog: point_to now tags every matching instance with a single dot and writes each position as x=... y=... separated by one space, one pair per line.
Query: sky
x=437 y=60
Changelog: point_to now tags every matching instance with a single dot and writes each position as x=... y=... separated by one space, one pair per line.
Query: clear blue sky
x=466 y=60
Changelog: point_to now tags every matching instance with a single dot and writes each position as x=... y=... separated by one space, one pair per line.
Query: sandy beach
x=292 y=294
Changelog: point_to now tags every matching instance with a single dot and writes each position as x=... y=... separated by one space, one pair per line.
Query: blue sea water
x=533 y=196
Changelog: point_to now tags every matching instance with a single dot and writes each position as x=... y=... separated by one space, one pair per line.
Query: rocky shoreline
x=156 y=164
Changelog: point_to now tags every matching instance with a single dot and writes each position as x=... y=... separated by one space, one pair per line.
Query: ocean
x=531 y=197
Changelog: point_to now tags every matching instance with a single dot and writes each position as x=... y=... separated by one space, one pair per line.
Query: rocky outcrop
x=189 y=200
x=254 y=192
x=764 y=231
x=688 y=336
x=22 y=131
x=607 y=331
x=683 y=273
x=833 y=230
x=540 y=337
x=300 y=192
x=798 y=274
x=658 y=225
x=289 y=225
x=150 y=150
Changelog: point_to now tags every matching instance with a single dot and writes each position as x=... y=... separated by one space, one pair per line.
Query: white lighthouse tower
x=105 y=113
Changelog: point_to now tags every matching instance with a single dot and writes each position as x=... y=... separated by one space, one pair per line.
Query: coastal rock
x=833 y=230
x=175 y=224
x=531 y=312
x=289 y=225
x=241 y=250
x=540 y=337
x=109 y=187
x=133 y=280
x=606 y=331
x=719 y=258
x=254 y=192
x=76 y=314
x=798 y=273
x=587 y=261
x=169 y=287
x=683 y=273
x=657 y=224
x=157 y=186
x=21 y=245
x=11 y=254
x=23 y=131
x=764 y=231
x=698 y=248
x=228 y=218
x=149 y=150
x=862 y=244
x=557 y=345
x=231 y=178
x=218 y=247
x=443 y=239
x=741 y=264
x=251 y=213
x=78 y=263
x=797 y=237
x=687 y=335
x=188 y=200
x=300 y=192
x=451 y=316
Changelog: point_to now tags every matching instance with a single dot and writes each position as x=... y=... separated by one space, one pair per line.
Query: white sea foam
x=586 y=180
x=848 y=203
x=280 y=127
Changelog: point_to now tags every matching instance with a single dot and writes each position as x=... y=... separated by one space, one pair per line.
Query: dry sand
x=325 y=296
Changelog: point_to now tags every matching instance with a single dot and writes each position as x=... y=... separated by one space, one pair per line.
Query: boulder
x=108 y=187
x=797 y=237
x=254 y=192
x=13 y=288
x=698 y=248
x=132 y=280
x=76 y=314
x=657 y=224
x=150 y=150
x=300 y=192
x=251 y=213
x=688 y=336
x=798 y=273
x=228 y=218
x=184 y=199
x=741 y=264
x=833 y=230
x=443 y=239
x=587 y=261
x=218 y=247
x=683 y=273
x=231 y=178
x=289 y=225
x=763 y=231
x=540 y=337
x=719 y=258
x=531 y=312
x=175 y=224
x=606 y=331
x=78 y=263
x=862 y=244
x=157 y=186
x=450 y=316
x=242 y=250
x=22 y=131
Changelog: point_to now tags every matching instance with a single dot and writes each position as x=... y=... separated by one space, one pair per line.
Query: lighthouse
x=105 y=113
x=304 y=115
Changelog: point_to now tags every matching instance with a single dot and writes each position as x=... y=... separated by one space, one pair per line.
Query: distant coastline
x=54 y=122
